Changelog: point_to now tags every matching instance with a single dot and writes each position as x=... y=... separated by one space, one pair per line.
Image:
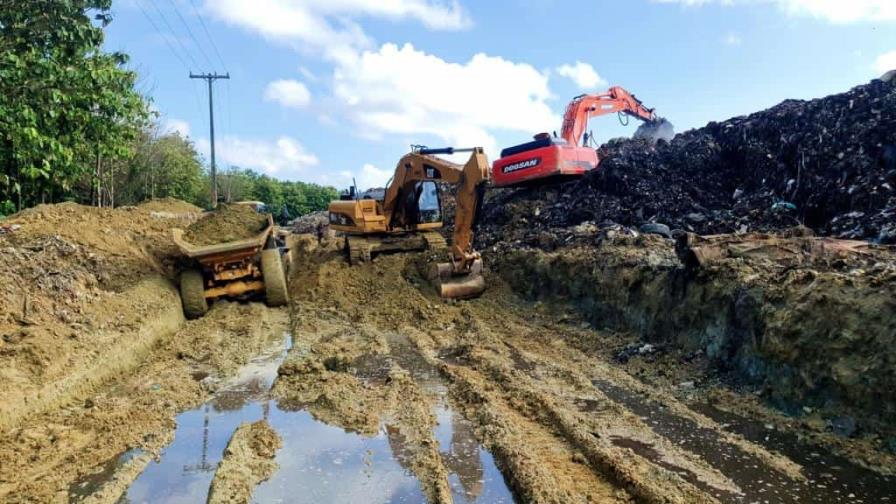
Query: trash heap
x=828 y=164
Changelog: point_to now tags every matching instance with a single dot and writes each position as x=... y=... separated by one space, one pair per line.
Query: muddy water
x=473 y=475
x=829 y=479
x=318 y=462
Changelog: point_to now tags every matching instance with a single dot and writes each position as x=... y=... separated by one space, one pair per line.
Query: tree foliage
x=163 y=166
x=298 y=198
x=74 y=127
x=64 y=103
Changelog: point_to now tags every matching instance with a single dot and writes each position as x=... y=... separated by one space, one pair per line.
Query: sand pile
x=227 y=223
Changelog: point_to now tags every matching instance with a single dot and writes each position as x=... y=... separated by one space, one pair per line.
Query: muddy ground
x=564 y=420
x=388 y=393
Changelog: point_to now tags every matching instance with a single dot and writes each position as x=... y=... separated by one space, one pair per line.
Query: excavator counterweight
x=409 y=213
x=549 y=157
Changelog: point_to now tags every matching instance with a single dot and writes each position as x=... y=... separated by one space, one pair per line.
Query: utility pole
x=210 y=78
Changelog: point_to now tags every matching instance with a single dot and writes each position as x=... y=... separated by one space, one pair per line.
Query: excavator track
x=358 y=249
x=434 y=241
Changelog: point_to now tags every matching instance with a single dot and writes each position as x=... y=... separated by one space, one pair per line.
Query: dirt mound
x=70 y=272
x=828 y=163
x=247 y=462
x=172 y=205
x=227 y=223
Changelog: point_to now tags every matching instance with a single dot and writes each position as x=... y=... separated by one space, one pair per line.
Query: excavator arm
x=469 y=178
x=584 y=107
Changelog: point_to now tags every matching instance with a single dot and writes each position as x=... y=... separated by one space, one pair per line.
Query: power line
x=173 y=33
x=161 y=34
x=190 y=33
x=208 y=34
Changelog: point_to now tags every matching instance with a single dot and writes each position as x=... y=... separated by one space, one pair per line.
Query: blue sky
x=326 y=90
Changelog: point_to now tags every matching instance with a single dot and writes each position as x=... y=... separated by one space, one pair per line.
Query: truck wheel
x=275 y=290
x=192 y=294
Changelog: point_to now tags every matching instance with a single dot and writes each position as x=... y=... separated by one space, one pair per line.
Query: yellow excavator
x=407 y=215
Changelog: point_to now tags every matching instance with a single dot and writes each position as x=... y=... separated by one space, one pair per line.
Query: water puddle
x=473 y=475
x=318 y=462
x=757 y=481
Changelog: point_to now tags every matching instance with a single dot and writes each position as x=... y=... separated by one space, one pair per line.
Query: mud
x=226 y=223
x=61 y=454
x=247 y=462
x=806 y=326
x=538 y=386
x=380 y=391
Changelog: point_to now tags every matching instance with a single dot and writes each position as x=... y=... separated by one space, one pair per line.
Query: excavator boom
x=584 y=107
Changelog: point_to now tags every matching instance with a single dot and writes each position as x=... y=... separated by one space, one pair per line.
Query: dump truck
x=234 y=269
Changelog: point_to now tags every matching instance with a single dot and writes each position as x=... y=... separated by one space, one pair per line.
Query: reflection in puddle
x=318 y=462
x=321 y=463
x=473 y=475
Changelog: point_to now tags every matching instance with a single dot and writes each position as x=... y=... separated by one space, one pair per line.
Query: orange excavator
x=549 y=157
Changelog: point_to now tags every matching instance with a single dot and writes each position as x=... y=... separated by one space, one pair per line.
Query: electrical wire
x=190 y=33
x=208 y=34
x=161 y=34
x=173 y=33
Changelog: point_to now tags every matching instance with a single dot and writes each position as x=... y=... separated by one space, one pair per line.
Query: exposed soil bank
x=248 y=460
x=60 y=455
x=808 y=321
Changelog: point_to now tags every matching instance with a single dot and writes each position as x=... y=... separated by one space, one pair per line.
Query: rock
x=656 y=228
x=687 y=385
x=843 y=426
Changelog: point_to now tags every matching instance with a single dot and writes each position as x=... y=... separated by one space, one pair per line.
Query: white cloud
x=284 y=158
x=308 y=74
x=367 y=177
x=583 y=74
x=289 y=93
x=407 y=91
x=329 y=26
x=885 y=62
x=732 y=39
x=834 y=11
x=179 y=126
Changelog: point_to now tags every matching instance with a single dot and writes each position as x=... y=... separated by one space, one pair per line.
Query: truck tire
x=192 y=294
x=275 y=291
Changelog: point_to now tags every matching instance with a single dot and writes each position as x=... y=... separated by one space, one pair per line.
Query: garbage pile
x=828 y=164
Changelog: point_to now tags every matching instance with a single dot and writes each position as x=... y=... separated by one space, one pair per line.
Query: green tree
x=163 y=166
x=65 y=105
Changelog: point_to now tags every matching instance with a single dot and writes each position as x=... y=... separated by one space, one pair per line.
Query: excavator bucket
x=453 y=286
x=657 y=129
